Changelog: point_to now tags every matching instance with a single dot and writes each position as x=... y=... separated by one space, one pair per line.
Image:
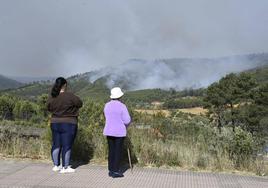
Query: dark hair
x=59 y=82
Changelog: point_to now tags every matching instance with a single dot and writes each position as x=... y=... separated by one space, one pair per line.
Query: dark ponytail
x=57 y=86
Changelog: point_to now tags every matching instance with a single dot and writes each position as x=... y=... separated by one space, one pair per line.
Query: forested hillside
x=95 y=85
x=6 y=83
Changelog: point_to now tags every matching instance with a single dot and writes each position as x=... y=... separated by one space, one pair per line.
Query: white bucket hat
x=116 y=93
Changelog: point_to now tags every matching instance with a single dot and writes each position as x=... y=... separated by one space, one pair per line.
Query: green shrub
x=7 y=104
x=241 y=147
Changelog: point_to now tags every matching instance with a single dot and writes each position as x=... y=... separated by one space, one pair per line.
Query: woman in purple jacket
x=117 y=119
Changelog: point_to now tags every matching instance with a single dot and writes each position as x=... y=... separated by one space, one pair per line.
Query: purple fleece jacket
x=117 y=119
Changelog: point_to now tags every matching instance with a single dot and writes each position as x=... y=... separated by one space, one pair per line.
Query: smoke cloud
x=66 y=37
x=175 y=73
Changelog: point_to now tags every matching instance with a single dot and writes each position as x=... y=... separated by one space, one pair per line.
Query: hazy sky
x=65 y=37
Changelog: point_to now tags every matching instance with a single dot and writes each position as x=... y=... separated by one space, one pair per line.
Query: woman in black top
x=64 y=107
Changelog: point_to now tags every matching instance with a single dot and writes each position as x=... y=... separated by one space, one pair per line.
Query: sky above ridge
x=66 y=37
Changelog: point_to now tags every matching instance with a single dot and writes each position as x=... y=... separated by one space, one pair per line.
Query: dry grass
x=196 y=110
x=167 y=113
x=154 y=112
x=25 y=148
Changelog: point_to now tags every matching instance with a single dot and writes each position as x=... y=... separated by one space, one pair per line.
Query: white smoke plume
x=175 y=73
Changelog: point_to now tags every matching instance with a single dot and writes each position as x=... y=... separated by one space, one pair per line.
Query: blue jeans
x=63 y=135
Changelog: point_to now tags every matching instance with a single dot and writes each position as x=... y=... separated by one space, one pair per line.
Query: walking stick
x=129 y=159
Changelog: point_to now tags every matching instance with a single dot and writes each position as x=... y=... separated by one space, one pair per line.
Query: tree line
x=238 y=100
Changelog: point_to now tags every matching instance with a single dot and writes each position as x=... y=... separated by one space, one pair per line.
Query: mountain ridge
x=98 y=88
x=7 y=83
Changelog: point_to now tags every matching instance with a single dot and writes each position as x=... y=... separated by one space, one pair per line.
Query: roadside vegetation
x=229 y=135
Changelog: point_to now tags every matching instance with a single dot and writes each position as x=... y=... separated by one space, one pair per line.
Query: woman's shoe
x=56 y=168
x=67 y=170
x=117 y=175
